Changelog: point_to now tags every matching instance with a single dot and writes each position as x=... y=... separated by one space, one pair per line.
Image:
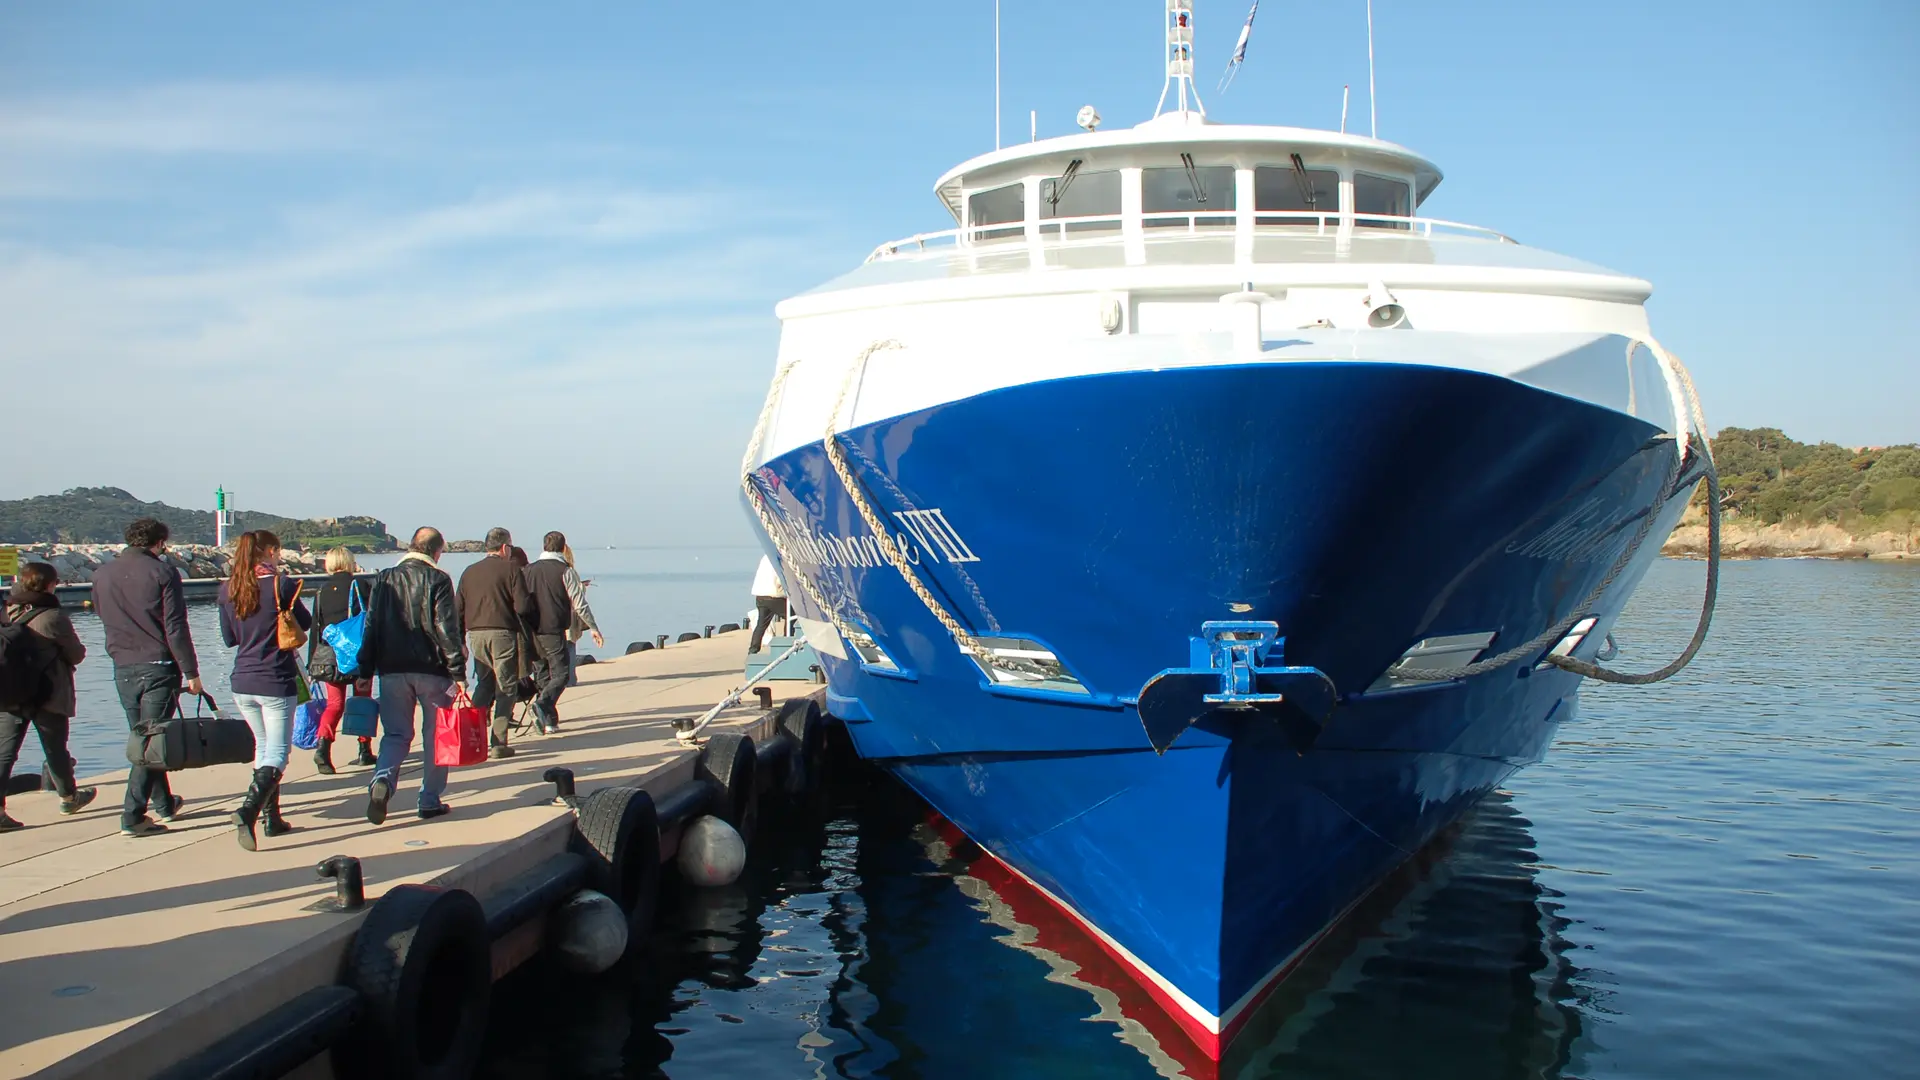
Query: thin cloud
x=269 y=117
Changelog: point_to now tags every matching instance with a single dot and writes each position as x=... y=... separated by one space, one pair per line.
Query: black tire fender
x=639 y=646
x=800 y=718
x=727 y=762
x=422 y=964
x=618 y=831
x=686 y=637
x=728 y=628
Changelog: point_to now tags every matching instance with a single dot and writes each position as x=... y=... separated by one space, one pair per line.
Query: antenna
x=1345 y=92
x=996 y=74
x=1033 y=125
x=1180 y=58
x=1373 y=106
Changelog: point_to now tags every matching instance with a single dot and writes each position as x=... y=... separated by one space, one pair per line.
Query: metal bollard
x=660 y=642
x=709 y=632
x=349 y=889
x=765 y=694
x=562 y=781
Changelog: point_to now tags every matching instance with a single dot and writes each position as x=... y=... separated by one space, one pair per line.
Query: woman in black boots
x=263 y=620
x=339 y=597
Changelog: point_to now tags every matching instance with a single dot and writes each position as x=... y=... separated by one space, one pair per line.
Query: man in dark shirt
x=144 y=613
x=412 y=643
x=494 y=604
x=560 y=603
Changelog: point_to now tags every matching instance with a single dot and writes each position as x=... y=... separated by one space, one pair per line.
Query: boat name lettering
x=924 y=531
x=1581 y=536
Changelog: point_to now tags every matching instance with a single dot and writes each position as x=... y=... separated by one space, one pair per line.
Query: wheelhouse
x=1181 y=172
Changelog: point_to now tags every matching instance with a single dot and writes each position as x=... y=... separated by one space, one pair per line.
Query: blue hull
x=1361 y=507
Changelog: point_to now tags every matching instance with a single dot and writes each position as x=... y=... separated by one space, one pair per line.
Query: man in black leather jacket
x=414 y=643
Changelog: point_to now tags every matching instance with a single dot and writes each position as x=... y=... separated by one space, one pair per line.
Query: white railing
x=1212 y=223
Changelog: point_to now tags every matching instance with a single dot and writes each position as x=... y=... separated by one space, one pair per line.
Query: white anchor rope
x=837 y=455
x=749 y=465
x=1689 y=418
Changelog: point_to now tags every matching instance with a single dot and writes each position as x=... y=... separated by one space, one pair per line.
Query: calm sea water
x=1717 y=877
x=636 y=594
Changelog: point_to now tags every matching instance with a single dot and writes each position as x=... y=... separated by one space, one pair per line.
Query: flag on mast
x=1239 y=49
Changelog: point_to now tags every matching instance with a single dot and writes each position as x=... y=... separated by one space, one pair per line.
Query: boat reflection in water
x=1457 y=965
x=873 y=939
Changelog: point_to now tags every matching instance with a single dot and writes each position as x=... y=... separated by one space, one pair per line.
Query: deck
x=119 y=956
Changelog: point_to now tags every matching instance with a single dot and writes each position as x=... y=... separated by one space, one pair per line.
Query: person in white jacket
x=769 y=602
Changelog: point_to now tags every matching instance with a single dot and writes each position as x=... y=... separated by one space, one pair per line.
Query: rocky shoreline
x=1741 y=540
x=77 y=562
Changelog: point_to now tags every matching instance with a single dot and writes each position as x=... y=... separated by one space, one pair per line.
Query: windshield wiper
x=1062 y=183
x=1193 y=179
x=1306 y=183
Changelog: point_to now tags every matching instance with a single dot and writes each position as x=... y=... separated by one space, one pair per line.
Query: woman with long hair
x=253 y=601
x=338 y=598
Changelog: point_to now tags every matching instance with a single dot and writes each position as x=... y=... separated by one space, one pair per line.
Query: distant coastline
x=1758 y=540
x=82 y=516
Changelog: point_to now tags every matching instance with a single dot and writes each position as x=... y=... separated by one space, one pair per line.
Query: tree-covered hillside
x=100 y=516
x=1768 y=477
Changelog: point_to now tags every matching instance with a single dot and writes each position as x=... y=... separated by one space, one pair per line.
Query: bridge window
x=1379 y=195
x=998 y=206
x=1293 y=193
x=1207 y=191
x=1076 y=193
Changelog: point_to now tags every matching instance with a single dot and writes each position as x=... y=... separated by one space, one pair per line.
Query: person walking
x=769 y=602
x=558 y=600
x=578 y=627
x=32 y=605
x=143 y=612
x=256 y=601
x=530 y=666
x=335 y=601
x=414 y=645
x=493 y=603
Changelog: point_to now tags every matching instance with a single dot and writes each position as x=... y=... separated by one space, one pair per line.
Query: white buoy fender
x=588 y=932
x=711 y=852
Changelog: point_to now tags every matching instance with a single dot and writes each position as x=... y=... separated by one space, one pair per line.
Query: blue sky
x=468 y=263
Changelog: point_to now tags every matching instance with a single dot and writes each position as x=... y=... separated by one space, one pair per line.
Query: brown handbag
x=287 y=631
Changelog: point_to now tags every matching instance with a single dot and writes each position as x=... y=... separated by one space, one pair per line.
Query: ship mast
x=1180 y=60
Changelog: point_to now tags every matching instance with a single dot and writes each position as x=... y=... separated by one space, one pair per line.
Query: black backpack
x=26 y=666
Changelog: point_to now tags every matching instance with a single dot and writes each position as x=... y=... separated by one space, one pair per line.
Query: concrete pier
x=120 y=956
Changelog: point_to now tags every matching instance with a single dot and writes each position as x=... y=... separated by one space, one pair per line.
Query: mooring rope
x=750 y=465
x=837 y=455
x=963 y=639
x=1689 y=418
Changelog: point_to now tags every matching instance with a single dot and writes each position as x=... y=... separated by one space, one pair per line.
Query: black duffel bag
x=192 y=742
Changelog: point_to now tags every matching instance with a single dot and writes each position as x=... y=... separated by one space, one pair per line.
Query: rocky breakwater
x=77 y=562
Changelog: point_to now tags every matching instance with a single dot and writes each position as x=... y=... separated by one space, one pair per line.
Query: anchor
x=1236 y=667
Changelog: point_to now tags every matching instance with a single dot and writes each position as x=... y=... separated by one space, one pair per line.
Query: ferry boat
x=1200 y=528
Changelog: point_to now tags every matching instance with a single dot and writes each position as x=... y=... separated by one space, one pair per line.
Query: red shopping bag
x=460 y=732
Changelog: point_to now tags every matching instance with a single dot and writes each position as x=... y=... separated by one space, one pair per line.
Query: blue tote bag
x=346 y=636
x=306 y=723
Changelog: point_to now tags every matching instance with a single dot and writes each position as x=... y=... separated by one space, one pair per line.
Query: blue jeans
x=271 y=719
x=148 y=693
x=405 y=700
